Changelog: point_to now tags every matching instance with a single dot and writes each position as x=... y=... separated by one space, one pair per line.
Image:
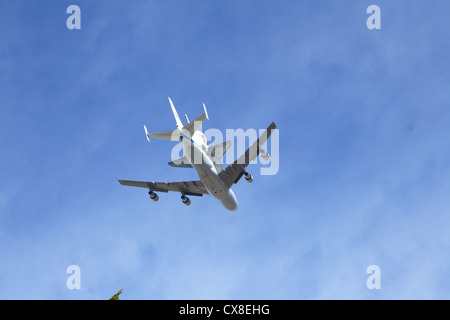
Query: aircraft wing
x=180 y=163
x=192 y=188
x=236 y=170
x=194 y=125
x=218 y=150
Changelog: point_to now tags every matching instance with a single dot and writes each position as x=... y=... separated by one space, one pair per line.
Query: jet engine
x=153 y=196
x=265 y=155
x=186 y=200
x=248 y=177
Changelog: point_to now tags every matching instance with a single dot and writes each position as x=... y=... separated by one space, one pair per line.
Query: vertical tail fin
x=175 y=114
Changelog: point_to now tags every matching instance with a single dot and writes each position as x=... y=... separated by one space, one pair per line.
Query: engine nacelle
x=153 y=196
x=264 y=155
x=186 y=200
x=248 y=177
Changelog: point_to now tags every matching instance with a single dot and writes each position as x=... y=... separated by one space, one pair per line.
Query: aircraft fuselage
x=194 y=150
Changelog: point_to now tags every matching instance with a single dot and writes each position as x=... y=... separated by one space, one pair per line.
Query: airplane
x=206 y=160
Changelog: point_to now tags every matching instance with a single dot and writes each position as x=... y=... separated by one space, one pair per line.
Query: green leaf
x=116 y=296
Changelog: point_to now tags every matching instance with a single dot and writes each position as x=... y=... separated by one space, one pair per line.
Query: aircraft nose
x=230 y=206
x=233 y=207
x=230 y=202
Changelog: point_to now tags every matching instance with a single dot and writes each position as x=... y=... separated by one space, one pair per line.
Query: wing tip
x=206 y=112
x=146 y=133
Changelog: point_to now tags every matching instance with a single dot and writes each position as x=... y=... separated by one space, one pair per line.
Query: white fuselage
x=194 y=148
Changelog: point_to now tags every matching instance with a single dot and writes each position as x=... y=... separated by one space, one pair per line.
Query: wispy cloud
x=364 y=150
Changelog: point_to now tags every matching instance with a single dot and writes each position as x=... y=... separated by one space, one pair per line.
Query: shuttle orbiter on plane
x=206 y=160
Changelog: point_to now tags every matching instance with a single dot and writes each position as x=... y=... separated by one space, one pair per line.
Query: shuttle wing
x=194 y=125
x=182 y=162
x=236 y=170
x=193 y=188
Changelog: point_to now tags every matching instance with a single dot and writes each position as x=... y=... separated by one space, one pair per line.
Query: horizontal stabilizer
x=167 y=135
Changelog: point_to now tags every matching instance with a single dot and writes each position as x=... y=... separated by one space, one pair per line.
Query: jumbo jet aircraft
x=206 y=160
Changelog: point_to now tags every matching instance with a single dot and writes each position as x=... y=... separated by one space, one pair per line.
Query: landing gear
x=153 y=196
x=248 y=177
x=185 y=200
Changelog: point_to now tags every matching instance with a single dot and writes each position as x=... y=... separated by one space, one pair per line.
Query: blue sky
x=364 y=148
